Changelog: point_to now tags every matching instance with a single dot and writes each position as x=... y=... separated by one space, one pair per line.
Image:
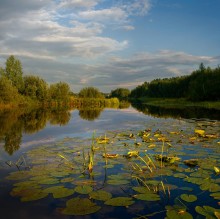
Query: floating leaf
x=132 y=154
x=191 y=162
x=102 y=140
x=83 y=189
x=80 y=206
x=120 y=201
x=207 y=211
x=200 y=132
x=64 y=192
x=188 y=198
x=217 y=170
x=180 y=175
x=216 y=195
x=178 y=214
x=148 y=196
x=110 y=155
x=141 y=189
x=20 y=175
x=48 y=181
x=100 y=195
x=118 y=181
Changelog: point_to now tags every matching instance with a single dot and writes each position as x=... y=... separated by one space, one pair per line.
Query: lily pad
x=207 y=211
x=188 y=198
x=80 y=206
x=120 y=201
x=83 y=189
x=100 y=195
x=118 y=181
x=148 y=197
x=178 y=214
x=141 y=189
x=64 y=192
x=216 y=195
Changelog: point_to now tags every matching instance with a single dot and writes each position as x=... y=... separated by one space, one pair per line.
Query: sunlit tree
x=90 y=92
x=35 y=87
x=13 y=71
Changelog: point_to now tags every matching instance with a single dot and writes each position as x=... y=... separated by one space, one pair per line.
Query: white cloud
x=73 y=4
x=110 y=14
x=137 y=7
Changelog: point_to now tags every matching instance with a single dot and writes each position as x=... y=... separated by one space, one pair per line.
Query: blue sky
x=110 y=44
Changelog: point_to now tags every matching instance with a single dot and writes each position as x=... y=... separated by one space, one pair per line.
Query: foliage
x=8 y=93
x=59 y=91
x=201 y=85
x=120 y=93
x=90 y=92
x=35 y=88
x=14 y=72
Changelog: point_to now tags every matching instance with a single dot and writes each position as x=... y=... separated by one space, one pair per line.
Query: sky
x=109 y=44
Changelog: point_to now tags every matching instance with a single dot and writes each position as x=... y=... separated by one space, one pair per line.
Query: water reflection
x=90 y=114
x=185 y=112
x=15 y=122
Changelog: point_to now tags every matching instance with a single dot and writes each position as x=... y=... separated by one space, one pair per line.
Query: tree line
x=201 y=85
x=17 y=88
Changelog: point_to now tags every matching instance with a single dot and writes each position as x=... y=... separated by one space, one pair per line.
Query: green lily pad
x=48 y=181
x=119 y=201
x=148 y=197
x=180 y=175
x=100 y=195
x=188 y=198
x=117 y=182
x=216 y=195
x=180 y=214
x=53 y=189
x=33 y=196
x=83 y=189
x=141 y=189
x=20 y=175
x=207 y=211
x=80 y=206
x=64 y=192
x=212 y=187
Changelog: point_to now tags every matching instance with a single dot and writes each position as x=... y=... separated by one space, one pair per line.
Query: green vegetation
x=16 y=89
x=120 y=93
x=90 y=92
x=201 y=85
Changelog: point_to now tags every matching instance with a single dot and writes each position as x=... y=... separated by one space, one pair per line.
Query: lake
x=134 y=162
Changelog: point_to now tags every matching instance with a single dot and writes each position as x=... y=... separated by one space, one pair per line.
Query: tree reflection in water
x=15 y=122
x=90 y=114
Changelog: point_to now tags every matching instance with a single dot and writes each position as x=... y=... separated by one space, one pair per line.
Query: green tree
x=120 y=93
x=90 y=92
x=13 y=71
x=35 y=87
x=59 y=92
x=8 y=93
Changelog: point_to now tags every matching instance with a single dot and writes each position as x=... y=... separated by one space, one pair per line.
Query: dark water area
x=29 y=139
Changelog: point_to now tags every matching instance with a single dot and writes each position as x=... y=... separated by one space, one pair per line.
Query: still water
x=71 y=132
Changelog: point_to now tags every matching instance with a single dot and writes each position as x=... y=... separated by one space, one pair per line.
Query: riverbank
x=179 y=103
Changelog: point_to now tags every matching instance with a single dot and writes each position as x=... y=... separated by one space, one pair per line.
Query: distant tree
x=13 y=71
x=90 y=92
x=120 y=93
x=35 y=87
x=59 y=91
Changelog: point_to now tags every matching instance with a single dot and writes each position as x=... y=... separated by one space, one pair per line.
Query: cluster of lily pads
x=169 y=170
